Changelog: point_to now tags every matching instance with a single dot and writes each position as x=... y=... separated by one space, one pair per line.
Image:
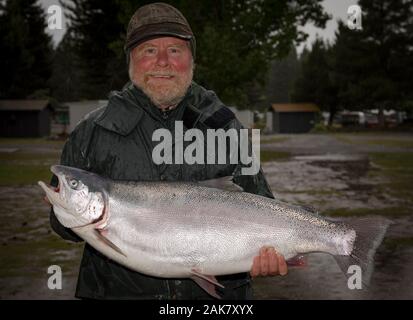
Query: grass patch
x=399 y=143
x=395 y=243
x=394 y=161
x=31 y=141
x=32 y=257
x=25 y=168
x=390 y=143
x=385 y=212
x=27 y=157
x=270 y=155
x=11 y=175
x=273 y=139
x=313 y=192
x=397 y=168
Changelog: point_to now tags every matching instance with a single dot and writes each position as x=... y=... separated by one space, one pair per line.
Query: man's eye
x=150 y=50
x=174 y=50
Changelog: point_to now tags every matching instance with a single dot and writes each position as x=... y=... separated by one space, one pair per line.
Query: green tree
x=317 y=81
x=237 y=40
x=282 y=76
x=25 y=49
x=94 y=27
x=374 y=65
x=66 y=80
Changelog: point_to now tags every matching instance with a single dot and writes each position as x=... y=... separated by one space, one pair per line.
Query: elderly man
x=115 y=141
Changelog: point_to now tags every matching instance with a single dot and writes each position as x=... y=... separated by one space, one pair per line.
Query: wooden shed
x=25 y=118
x=291 y=117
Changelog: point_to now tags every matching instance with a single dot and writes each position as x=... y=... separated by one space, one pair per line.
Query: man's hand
x=268 y=263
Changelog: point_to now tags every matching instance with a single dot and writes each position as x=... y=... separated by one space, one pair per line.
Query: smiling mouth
x=166 y=77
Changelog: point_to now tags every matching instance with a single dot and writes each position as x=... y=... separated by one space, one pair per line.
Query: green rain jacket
x=115 y=141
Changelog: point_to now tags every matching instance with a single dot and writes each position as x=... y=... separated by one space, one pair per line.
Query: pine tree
x=95 y=27
x=66 y=80
x=317 y=82
x=282 y=76
x=374 y=65
x=25 y=49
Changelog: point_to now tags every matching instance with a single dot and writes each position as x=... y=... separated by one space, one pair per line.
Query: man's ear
x=127 y=53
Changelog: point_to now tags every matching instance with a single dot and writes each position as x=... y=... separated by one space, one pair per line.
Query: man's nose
x=162 y=58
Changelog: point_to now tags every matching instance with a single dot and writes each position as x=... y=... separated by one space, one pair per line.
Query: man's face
x=163 y=69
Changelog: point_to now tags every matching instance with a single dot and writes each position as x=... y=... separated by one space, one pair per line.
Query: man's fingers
x=273 y=262
x=269 y=262
x=256 y=266
x=264 y=261
x=282 y=265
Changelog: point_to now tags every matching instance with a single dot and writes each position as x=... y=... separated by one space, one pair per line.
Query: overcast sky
x=336 y=8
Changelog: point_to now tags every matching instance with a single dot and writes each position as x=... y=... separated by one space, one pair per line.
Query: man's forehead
x=164 y=41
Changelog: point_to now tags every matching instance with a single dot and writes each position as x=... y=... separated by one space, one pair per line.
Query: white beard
x=164 y=96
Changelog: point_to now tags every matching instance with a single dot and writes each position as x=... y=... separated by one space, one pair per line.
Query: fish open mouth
x=52 y=193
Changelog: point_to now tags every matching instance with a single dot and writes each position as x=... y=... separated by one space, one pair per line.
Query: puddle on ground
x=326 y=182
x=28 y=247
x=336 y=181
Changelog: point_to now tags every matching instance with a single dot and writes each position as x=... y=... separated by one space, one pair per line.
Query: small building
x=79 y=109
x=60 y=121
x=25 y=118
x=291 y=117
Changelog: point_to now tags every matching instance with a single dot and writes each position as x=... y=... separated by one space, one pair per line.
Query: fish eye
x=73 y=183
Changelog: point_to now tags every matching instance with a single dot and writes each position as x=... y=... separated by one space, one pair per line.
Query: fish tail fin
x=369 y=233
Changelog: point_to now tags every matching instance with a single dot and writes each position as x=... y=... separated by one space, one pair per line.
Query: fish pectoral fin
x=223 y=183
x=208 y=278
x=208 y=283
x=107 y=242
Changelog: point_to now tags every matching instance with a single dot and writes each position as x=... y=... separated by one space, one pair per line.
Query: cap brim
x=152 y=31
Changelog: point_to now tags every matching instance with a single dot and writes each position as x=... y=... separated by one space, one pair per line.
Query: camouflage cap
x=157 y=19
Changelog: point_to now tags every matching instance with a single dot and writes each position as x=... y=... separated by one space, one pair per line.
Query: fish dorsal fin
x=223 y=183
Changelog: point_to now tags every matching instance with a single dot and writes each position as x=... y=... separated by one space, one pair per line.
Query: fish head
x=80 y=197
